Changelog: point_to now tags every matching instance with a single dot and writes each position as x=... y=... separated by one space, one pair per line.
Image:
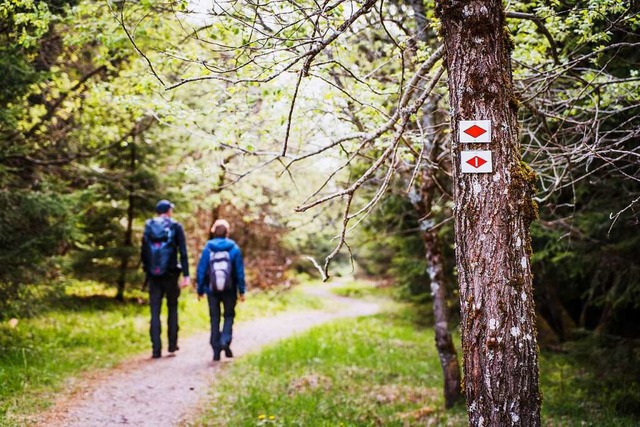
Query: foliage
x=86 y=131
x=78 y=98
x=44 y=216
x=580 y=109
x=24 y=25
x=591 y=264
x=391 y=248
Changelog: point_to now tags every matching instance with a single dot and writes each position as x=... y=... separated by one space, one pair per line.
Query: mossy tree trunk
x=493 y=212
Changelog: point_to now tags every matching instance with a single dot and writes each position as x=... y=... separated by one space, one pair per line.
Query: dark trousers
x=220 y=339
x=160 y=287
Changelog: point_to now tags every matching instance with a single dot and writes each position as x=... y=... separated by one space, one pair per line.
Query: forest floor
x=169 y=391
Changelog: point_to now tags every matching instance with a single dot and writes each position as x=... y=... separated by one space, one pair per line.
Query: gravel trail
x=166 y=391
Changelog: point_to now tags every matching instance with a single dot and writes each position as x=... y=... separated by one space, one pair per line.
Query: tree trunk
x=128 y=234
x=493 y=212
x=551 y=307
x=423 y=204
x=444 y=341
x=428 y=189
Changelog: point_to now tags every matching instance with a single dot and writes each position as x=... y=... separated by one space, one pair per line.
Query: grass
x=89 y=330
x=383 y=370
x=364 y=290
x=265 y=303
x=377 y=370
x=595 y=382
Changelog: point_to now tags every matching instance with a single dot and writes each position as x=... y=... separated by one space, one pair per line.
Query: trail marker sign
x=476 y=161
x=474 y=130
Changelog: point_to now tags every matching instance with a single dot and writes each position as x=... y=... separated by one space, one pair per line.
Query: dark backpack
x=159 y=238
x=220 y=271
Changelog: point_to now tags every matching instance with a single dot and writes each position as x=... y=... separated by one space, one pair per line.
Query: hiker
x=163 y=238
x=221 y=277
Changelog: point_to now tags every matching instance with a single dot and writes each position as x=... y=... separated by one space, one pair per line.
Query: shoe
x=227 y=351
x=216 y=357
x=172 y=353
x=156 y=355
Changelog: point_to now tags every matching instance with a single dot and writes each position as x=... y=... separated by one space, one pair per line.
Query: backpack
x=220 y=271
x=159 y=238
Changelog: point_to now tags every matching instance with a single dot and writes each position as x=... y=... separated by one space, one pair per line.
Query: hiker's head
x=164 y=207
x=220 y=228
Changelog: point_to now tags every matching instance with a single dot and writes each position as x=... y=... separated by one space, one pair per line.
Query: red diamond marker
x=475 y=131
x=476 y=161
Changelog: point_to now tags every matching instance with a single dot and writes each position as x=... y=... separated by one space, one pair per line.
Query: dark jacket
x=179 y=244
x=237 y=266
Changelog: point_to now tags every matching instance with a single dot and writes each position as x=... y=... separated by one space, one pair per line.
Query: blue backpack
x=220 y=271
x=159 y=238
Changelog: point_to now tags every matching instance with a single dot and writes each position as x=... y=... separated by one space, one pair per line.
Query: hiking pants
x=160 y=287
x=220 y=339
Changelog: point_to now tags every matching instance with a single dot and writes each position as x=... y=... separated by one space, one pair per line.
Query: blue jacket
x=237 y=266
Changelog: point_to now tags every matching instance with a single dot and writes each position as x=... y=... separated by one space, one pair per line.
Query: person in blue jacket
x=221 y=244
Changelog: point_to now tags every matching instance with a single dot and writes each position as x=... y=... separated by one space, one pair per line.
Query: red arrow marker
x=476 y=161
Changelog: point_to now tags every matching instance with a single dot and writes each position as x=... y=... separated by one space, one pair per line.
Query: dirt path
x=164 y=392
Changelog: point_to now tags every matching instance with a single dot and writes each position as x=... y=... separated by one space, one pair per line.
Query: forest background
x=109 y=106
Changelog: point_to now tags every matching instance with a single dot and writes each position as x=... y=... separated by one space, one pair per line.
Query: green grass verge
x=595 y=382
x=377 y=370
x=382 y=370
x=364 y=290
x=90 y=330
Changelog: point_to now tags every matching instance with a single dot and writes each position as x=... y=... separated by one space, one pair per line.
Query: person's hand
x=241 y=297
x=185 y=282
x=199 y=297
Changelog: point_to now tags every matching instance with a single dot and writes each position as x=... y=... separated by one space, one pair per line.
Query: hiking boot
x=227 y=352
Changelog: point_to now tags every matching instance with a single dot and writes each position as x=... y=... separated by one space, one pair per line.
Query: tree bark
x=444 y=342
x=424 y=203
x=493 y=212
x=433 y=253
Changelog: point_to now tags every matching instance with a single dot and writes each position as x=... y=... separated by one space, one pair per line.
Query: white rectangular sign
x=474 y=130
x=476 y=161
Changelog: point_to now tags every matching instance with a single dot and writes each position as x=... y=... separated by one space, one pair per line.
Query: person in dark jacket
x=162 y=276
x=220 y=243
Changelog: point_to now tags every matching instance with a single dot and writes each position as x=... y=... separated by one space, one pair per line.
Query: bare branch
x=135 y=46
x=290 y=116
x=345 y=222
x=543 y=29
